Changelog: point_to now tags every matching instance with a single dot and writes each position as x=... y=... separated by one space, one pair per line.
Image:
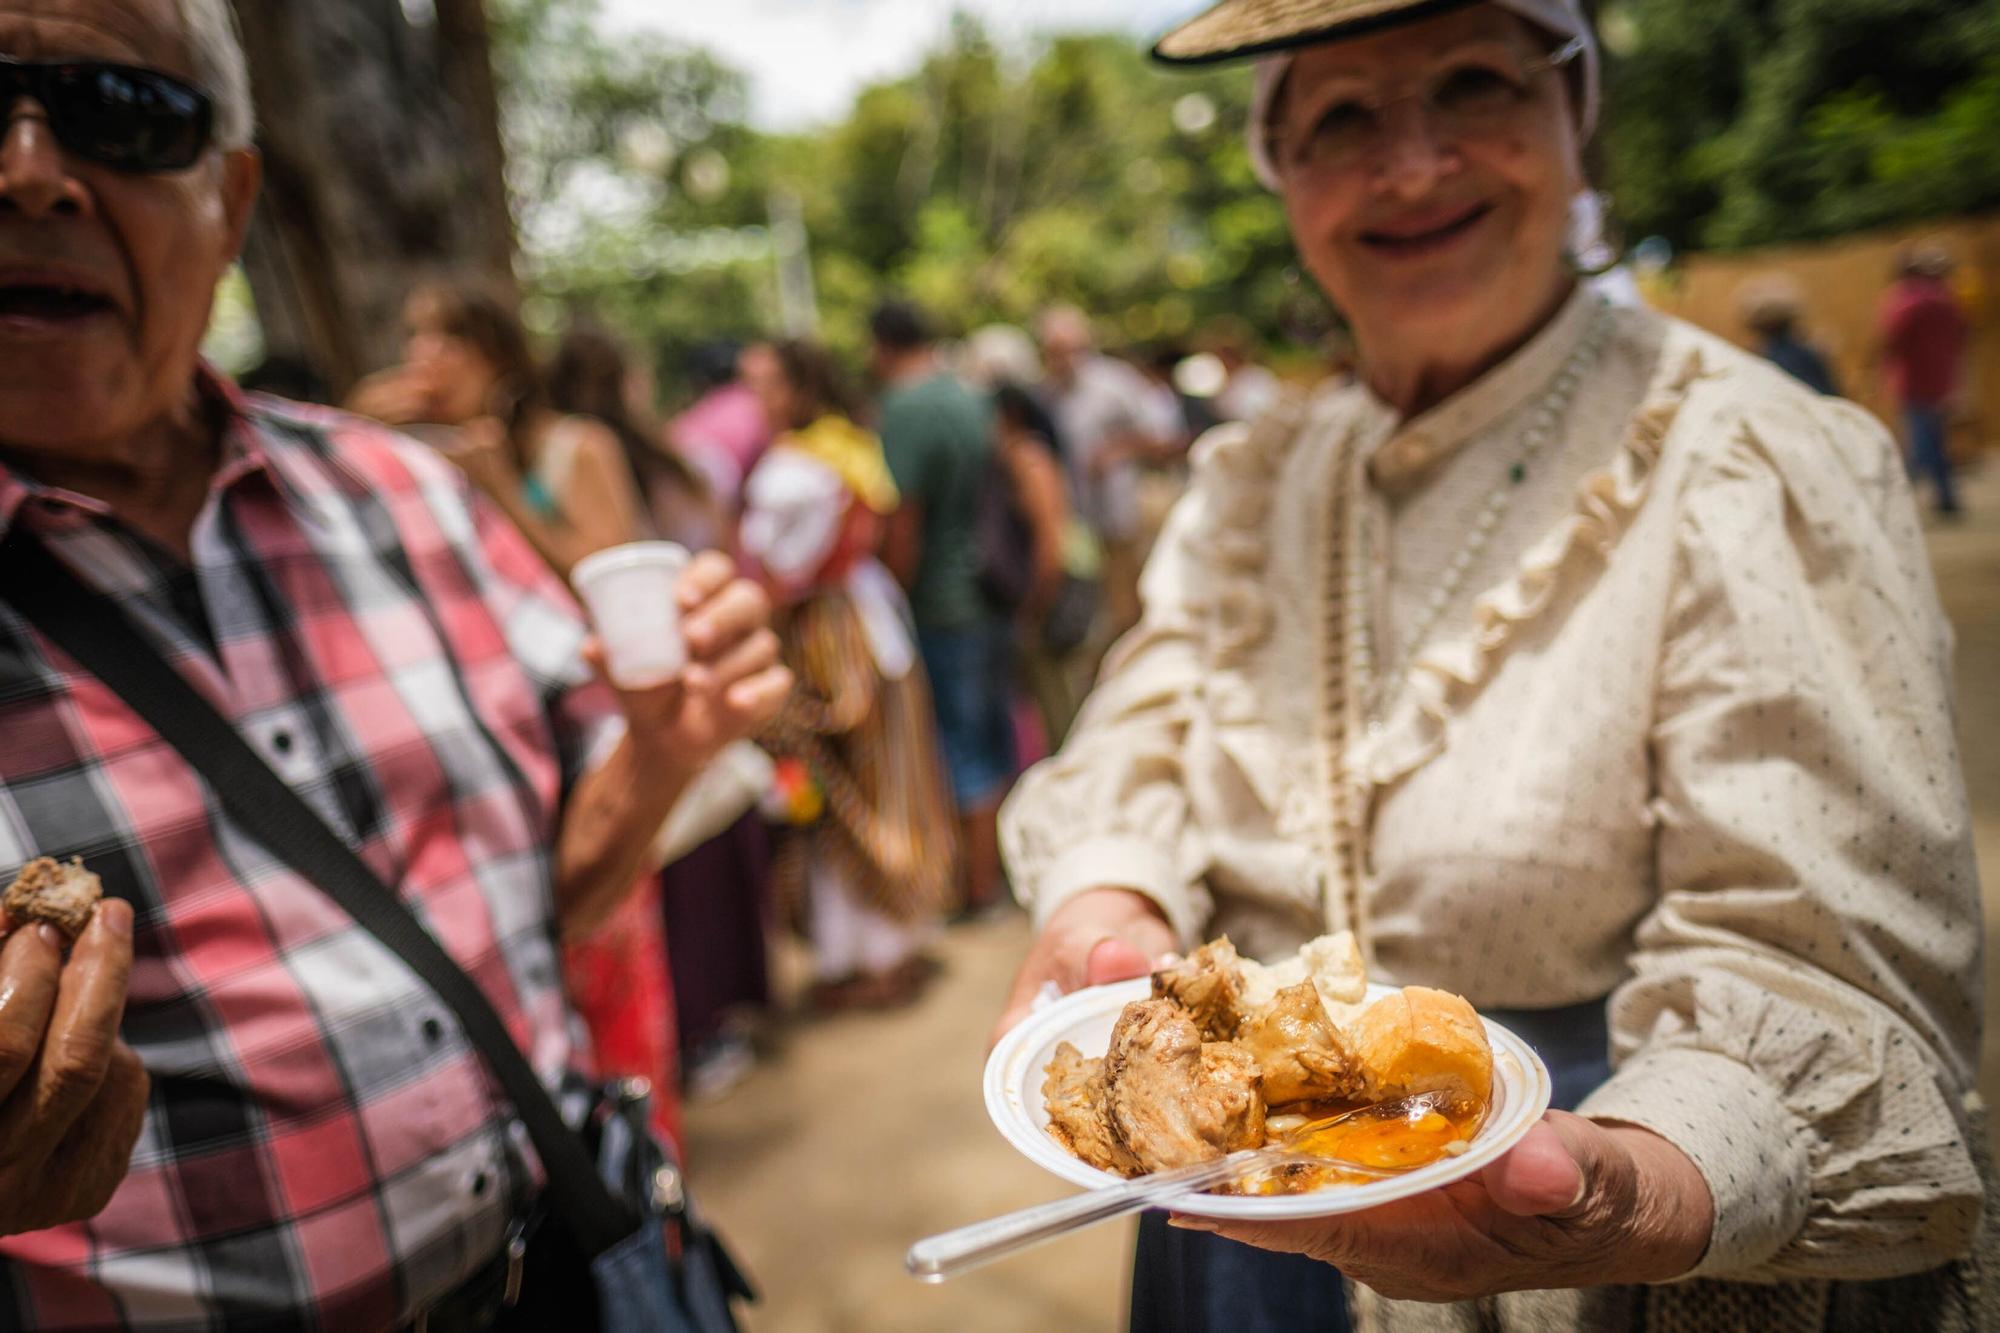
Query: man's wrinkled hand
x=1574 y=1204
x=72 y=1095
x=1099 y=936
x=733 y=682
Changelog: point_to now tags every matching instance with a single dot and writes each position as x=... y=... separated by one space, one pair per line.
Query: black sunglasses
x=121 y=116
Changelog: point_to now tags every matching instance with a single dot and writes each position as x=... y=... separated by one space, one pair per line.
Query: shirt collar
x=245 y=453
x=1414 y=449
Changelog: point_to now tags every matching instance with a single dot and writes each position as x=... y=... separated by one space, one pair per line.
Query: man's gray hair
x=220 y=68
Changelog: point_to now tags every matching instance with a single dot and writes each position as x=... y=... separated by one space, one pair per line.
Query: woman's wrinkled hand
x=72 y=1095
x=1099 y=936
x=1574 y=1204
x=733 y=683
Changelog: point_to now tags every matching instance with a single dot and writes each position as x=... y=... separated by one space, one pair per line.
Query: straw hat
x=1238 y=28
x=1272 y=29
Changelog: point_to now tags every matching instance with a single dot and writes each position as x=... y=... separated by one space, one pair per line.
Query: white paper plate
x=1015 y=1070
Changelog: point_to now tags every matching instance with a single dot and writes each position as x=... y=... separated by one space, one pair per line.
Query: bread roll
x=1421 y=1040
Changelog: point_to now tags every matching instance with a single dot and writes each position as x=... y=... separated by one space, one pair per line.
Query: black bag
x=617 y=1239
x=1071 y=615
x=1002 y=539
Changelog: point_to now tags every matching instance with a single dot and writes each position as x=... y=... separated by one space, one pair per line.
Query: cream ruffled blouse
x=1682 y=737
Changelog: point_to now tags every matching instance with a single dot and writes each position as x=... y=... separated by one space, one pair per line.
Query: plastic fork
x=951 y=1253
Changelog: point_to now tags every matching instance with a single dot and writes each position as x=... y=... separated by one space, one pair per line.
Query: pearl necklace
x=1376 y=695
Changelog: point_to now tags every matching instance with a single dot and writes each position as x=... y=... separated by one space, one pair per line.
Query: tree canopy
x=994 y=180
x=1737 y=123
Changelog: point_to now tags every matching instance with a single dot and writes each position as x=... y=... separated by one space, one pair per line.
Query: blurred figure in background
x=999 y=354
x=937 y=437
x=591 y=376
x=562 y=480
x=712 y=898
x=1100 y=407
x=1177 y=421
x=1181 y=417
x=1250 y=389
x=1772 y=307
x=873 y=862
x=1056 y=614
x=725 y=430
x=1923 y=335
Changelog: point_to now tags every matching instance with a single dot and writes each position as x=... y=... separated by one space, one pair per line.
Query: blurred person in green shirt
x=938 y=435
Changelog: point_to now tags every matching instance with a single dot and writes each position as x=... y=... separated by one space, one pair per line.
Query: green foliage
x=992 y=182
x=1738 y=124
x=985 y=185
x=635 y=182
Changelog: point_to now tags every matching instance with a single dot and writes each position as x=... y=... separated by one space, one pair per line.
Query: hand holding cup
x=688 y=646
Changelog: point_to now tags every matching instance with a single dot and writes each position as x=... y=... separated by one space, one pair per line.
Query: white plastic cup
x=630 y=592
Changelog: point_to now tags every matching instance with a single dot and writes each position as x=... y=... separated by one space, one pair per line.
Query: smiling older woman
x=1582 y=664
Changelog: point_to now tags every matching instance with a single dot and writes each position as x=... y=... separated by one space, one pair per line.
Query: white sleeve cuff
x=1125 y=861
x=1752 y=1151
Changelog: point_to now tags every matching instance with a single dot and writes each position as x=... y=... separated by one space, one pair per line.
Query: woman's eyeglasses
x=121 y=116
x=1465 y=99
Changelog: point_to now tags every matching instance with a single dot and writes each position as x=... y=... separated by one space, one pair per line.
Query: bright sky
x=807 y=58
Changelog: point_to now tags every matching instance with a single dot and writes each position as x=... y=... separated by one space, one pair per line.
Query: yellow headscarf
x=855 y=454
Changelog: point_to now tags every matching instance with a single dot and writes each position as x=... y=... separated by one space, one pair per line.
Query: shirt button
x=281 y=741
x=480 y=1184
x=433 y=1031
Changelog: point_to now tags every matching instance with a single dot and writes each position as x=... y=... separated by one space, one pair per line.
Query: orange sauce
x=1389 y=1138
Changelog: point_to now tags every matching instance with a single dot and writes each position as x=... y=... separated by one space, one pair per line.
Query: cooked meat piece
x=1175 y=1099
x=1303 y=1056
x=1075 y=1095
x=1208 y=983
x=62 y=895
x=1420 y=1040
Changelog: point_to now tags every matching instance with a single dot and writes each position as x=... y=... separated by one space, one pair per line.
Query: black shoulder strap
x=90 y=629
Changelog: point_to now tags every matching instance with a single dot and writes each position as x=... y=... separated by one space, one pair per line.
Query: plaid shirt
x=323 y=1149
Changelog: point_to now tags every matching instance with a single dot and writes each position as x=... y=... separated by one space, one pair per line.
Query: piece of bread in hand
x=1421 y=1040
x=62 y=895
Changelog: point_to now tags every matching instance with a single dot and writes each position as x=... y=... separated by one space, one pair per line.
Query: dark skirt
x=715 y=902
x=1192 y=1282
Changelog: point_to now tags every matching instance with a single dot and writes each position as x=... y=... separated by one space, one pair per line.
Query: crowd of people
x=1575 y=660
x=950 y=554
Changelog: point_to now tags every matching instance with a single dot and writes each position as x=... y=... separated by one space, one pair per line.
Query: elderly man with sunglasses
x=228 y=1105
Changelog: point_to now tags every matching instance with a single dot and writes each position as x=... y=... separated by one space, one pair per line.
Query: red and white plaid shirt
x=323 y=1149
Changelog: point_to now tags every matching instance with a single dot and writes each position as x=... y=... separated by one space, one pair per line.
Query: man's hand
x=1574 y=1204
x=72 y=1095
x=733 y=683
x=1099 y=936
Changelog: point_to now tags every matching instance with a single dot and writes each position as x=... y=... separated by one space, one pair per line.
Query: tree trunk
x=383 y=168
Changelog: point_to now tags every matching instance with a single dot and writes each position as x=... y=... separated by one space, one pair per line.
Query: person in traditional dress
x=1581 y=663
x=873 y=864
